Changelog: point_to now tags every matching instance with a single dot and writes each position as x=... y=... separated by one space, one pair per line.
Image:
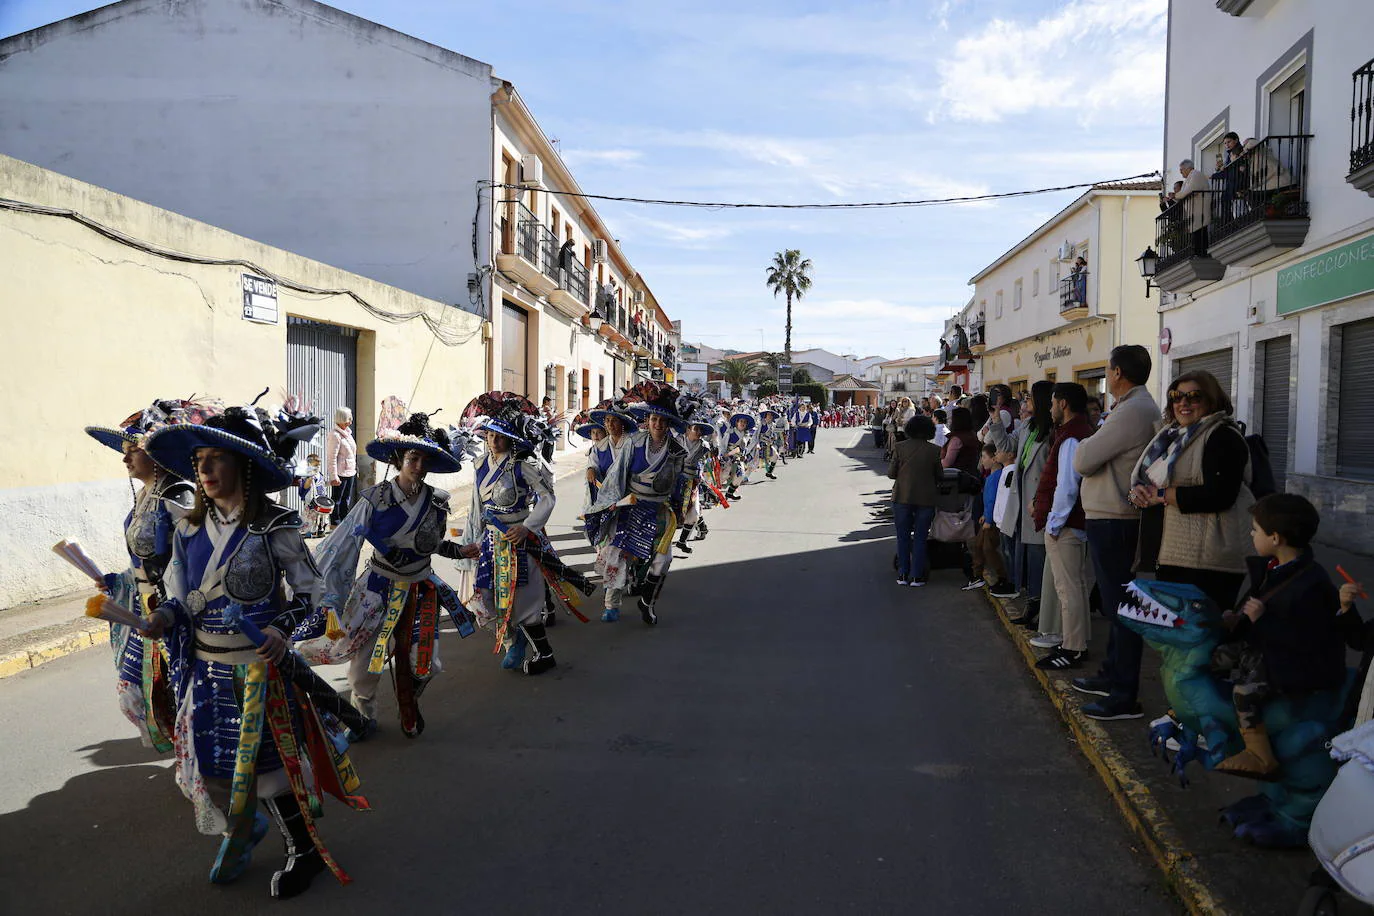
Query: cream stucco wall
x=1026 y=344
x=92 y=329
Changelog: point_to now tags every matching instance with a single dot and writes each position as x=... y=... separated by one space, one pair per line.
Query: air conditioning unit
x=599 y=251
x=531 y=171
x=1066 y=252
x=639 y=297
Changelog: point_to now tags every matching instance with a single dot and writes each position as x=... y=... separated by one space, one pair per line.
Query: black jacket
x=1301 y=633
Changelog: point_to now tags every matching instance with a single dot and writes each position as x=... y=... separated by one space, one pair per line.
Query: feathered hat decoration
x=417 y=433
x=614 y=407
x=656 y=398
x=513 y=416
x=136 y=427
x=247 y=431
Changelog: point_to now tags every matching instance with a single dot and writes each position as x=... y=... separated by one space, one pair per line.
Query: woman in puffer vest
x=1193 y=485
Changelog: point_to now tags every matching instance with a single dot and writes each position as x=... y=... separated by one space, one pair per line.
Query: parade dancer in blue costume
x=145 y=693
x=511 y=502
x=239 y=583
x=640 y=505
x=391 y=610
x=614 y=416
x=697 y=442
x=769 y=441
x=738 y=450
x=804 y=421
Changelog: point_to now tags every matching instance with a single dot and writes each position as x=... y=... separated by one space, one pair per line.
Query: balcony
x=521 y=255
x=571 y=296
x=899 y=387
x=1362 y=130
x=1073 y=296
x=1259 y=202
x=1181 y=236
x=1234 y=7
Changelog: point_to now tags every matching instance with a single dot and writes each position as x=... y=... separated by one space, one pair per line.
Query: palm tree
x=789 y=274
x=738 y=373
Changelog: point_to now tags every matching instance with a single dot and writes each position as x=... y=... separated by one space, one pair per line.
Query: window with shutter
x=1218 y=362
x=1354 y=408
x=1272 y=409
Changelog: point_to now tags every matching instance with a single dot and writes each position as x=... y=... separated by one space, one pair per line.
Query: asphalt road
x=798 y=735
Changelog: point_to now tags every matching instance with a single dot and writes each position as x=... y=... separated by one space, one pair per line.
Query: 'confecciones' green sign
x=1337 y=274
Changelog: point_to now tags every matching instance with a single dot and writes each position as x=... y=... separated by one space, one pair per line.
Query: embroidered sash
x=396 y=596
x=279 y=719
x=250 y=738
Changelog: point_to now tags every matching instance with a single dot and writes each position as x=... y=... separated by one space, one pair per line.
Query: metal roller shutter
x=1217 y=362
x=1355 y=412
x=322 y=366
x=1272 y=410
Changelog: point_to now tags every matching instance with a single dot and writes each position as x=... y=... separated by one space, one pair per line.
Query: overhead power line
x=863 y=205
x=444 y=335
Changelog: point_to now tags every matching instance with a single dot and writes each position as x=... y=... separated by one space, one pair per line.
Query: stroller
x=1342 y=832
x=956 y=493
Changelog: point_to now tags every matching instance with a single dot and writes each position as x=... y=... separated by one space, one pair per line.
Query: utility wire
x=865 y=205
x=444 y=335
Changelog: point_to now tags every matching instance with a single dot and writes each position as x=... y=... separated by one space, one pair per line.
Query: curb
x=1142 y=813
x=57 y=640
x=53 y=642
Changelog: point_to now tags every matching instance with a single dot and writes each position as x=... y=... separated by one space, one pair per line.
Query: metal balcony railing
x=1181 y=230
x=548 y=253
x=1073 y=292
x=577 y=282
x=527 y=236
x=1267 y=181
x=1362 y=118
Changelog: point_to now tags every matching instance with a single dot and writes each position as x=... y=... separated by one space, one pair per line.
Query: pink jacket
x=341 y=454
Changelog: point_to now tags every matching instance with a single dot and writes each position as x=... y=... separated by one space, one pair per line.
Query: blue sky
x=806 y=101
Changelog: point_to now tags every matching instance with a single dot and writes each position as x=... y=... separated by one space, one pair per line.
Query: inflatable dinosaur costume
x=1184 y=626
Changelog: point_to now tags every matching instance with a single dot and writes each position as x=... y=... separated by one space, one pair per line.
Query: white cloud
x=601 y=156
x=1093 y=56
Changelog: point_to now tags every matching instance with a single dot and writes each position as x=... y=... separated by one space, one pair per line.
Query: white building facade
x=1270 y=269
x=1046 y=316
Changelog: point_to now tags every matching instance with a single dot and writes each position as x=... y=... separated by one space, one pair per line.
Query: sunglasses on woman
x=1192 y=397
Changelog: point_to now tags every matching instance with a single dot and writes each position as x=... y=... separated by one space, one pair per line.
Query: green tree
x=802 y=377
x=738 y=373
x=790 y=275
x=767 y=388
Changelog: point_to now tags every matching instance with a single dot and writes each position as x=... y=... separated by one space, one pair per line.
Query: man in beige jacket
x=1106 y=460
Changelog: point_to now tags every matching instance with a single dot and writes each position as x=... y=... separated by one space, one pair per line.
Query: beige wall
x=92 y=329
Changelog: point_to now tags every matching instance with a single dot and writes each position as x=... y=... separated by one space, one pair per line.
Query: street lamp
x=1148 y=262
x=596 y=320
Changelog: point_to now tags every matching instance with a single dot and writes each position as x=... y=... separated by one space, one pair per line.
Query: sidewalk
x=1211 y=871
x=34 y=634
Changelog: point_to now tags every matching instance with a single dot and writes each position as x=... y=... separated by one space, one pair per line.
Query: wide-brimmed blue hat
x=656 y=399
x=241 y=430
x=614 y=408
x=735 y=418
x=417 y=434
x=136 y=427
x=772 y=410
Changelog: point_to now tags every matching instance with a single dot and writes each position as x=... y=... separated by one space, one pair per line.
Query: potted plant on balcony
x=1282 y=204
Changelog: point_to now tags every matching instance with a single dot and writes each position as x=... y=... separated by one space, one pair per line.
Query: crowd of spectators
x=1069 y=501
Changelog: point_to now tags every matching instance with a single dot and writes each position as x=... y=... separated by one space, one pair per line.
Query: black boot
x=653 y=587
x=682 y=539
x=542 y=659
x=303 y=861
x=702 y=531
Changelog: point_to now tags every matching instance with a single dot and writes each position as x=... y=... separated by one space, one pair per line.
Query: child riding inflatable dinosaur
x=1185 y=626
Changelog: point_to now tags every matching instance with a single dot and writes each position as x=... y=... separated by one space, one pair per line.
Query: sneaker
x=918 y=583
x=1004 y=592
x=901 y=581
x=1097 y=686
x=1110 y=710
x=1060 y=660
x=974 y=585
x=539 y=664
x=1046 y=640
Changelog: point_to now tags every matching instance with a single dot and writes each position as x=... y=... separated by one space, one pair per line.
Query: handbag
x=953 y=527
